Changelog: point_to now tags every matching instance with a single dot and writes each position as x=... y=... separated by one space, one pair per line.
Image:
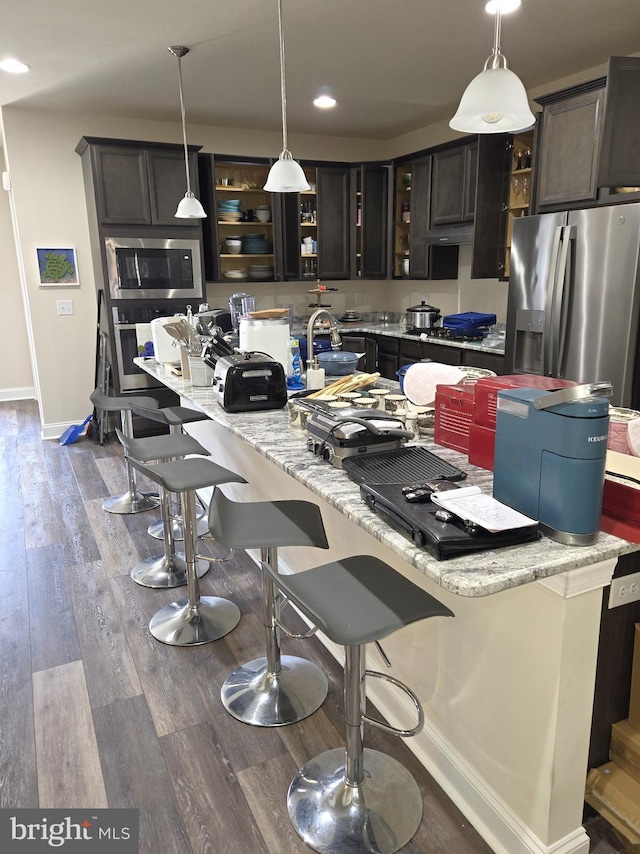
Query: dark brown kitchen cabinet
x=369 y=221
x=488 y=361
x=568 y=146
x=620 y=152
x=387 y=356
x=356 y=344
x=414 y=257
x=453 y=184
x=332 y=198
x=318 y=221
x=417 y=351
x=141 y=185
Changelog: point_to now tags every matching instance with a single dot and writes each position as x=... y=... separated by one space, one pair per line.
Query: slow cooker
x=422 y=317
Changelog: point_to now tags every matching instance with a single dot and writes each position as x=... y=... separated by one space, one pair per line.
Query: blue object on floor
x=71 y=433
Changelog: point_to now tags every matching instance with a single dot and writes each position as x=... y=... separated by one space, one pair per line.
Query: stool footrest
x=401 y=733
x=282 y=600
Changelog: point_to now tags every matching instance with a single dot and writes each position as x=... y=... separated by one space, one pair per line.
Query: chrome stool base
x=179 y=624
x=130 y=503
x=156 y=529
x=163 y=571
x=255 y=697
x=377 y=817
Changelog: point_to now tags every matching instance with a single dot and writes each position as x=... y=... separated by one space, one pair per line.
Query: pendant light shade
x=286 y=175
x=189 y=207
x=495 y=101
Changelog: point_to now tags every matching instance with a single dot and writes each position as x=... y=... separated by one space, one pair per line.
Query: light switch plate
x=65 y=306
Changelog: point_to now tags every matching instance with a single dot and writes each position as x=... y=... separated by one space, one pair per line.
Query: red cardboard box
x=482 y=442
x=487 y=388
x=454 y=407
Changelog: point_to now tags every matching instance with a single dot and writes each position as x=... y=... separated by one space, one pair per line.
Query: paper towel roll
x=421 y=379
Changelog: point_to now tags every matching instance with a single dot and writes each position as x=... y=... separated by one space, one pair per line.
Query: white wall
x=16 y=376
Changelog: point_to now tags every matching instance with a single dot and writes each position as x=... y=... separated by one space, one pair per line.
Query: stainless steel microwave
x=153 y=268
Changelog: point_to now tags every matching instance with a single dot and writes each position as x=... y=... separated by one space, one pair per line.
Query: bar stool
x=174 y=417
x=277 y=689
x=167 y=569
x=131 y=501
x=196 y=619
x=359 y=801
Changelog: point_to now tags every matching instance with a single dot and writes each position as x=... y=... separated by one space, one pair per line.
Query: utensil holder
x=199 y=372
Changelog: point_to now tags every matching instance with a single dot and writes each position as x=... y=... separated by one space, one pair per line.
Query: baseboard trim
x=25 y=393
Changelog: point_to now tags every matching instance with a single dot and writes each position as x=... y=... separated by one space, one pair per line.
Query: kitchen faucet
x=336 y=341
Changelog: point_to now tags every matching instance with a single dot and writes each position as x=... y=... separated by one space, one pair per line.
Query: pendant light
x=189 y=207
x=495 y=101
x=286 y=175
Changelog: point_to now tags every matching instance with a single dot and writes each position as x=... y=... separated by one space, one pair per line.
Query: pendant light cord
x=283 y=91
x=184 y=128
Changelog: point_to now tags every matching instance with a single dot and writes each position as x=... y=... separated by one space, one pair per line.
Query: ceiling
x=393 y=65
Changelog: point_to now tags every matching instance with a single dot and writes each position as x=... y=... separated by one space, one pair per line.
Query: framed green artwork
x=58 y=268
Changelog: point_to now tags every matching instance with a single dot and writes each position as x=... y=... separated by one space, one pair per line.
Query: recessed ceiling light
x=324 y=100
x=505 y=6
x=13 y=66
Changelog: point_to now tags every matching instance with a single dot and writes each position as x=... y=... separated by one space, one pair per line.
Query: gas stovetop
x=451 y=334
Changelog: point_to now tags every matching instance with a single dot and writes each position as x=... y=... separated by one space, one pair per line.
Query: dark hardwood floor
x=96 y=713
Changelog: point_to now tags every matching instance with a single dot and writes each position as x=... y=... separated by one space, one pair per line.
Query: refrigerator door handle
x=561 y=311
x=550 y=340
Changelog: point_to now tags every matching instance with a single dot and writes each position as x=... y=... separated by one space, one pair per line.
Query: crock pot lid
x=423 y=307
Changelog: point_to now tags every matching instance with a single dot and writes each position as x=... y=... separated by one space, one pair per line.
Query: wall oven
x=153 y=268
x=129 y=376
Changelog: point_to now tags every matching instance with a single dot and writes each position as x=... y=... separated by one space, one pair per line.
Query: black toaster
x=249 y=381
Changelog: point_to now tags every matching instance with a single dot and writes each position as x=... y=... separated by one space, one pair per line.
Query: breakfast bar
x=507 y=685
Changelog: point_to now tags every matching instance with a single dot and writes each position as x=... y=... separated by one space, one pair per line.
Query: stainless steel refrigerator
x=573 y=298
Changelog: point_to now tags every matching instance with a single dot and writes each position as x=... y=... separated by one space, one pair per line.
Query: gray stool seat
x=357 y=800
x=276 y=689
x=161 y=447
x=167 y=569
x=174 y=417
x=131 y=501
x=196 y=619
x=358 y=599
x=117 y=404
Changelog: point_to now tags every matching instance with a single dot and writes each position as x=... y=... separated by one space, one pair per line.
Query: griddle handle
x=376 y=431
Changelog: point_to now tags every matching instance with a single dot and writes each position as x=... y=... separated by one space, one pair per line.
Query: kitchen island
x=507 y=685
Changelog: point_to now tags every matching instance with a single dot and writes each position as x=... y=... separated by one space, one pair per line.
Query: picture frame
x=57 y=267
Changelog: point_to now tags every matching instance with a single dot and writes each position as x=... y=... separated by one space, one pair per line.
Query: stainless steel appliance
x=422 y=317
x=353 y=432
x=573 y=297
x=126 y=376
x=153 y=268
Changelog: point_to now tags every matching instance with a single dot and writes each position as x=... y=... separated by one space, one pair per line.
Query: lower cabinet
x=387 y=354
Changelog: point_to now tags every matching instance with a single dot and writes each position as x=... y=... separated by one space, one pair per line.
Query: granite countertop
x=271 y=434
x=398 y=330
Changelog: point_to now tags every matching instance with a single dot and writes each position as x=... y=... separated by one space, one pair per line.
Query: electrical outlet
x=357 y=299
x=624 y=590
x=65 y=306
